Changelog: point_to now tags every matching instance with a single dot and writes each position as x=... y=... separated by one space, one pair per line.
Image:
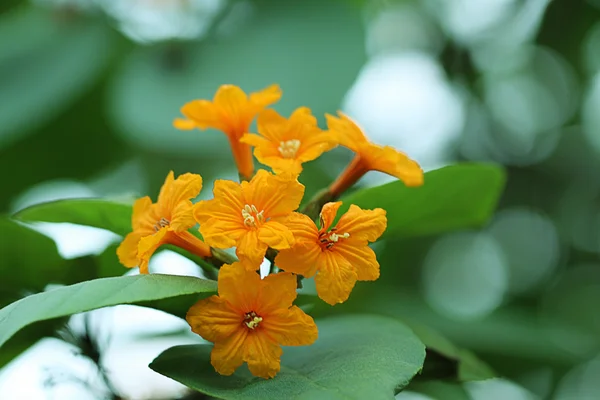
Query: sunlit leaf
x=355 y=357
x=454 y=197
x=172 y=294
x=99 y=213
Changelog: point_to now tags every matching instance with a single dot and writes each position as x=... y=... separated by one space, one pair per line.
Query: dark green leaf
x=450 y=361
x=105 y=214
x=173 y=294
x=355 y=357
x=440 y=390
x=454 y=197
x=29 y=261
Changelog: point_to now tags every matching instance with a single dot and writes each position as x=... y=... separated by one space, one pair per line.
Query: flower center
x=289 y=148
x=251 y=216
x=162 y=223
x=328 y=239
x=251 y=320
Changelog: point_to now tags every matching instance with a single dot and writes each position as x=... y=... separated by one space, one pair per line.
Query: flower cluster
x=251 y=318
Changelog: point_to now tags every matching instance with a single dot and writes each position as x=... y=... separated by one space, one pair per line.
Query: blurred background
x=89 y=88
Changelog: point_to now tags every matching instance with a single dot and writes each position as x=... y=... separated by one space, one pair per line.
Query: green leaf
x=355 y=357
x=454 y=197
x=172 y=294
x=30 y=261
x=440 y=390
x=99 y=213
x=451 y=361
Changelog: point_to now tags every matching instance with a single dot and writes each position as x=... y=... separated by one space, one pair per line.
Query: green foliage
x=105 y=214
x=30 y=261
x=173 y=294
x=355 y=357
x=455 y=197
x=448 y=360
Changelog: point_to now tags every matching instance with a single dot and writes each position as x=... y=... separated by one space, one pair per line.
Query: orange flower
x=232 y=112
x=369 y=157
x=250 y=319
x=165 y=222
x=250 y=215
x=285 y=144
x=340 y=255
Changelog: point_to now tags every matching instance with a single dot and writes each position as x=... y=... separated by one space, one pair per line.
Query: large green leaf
x=449 y=360
x=173 y=294
x=454 y=197
x=355 y=357
x=30 y=261
x=105 y=214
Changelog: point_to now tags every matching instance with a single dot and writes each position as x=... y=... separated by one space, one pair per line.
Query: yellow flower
x=284 y=144
x=231 y=112
x=165 y=222
x=369 y=157
x=340 y=255
x=250 y=215
x=250 y=319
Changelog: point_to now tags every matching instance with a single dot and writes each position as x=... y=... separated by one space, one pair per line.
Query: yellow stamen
x=289 y=148
x=162 y=223
x=334 y=237
x=252 y=320
x=251 y=215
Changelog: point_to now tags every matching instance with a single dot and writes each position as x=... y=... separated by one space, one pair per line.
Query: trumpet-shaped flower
x=284 y=144
x=231 y=112
x=250 y=319
x=339 y=255
x=251 y=215
x=165 y=222
x=369 y=157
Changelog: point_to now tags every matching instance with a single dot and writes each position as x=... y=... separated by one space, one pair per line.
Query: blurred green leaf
x=99 y=213
x=440 y=390
x=355 y=357
x=55 y=58
x=454 y=197
x=30 y=261
x=454 y=362
x=172 y=294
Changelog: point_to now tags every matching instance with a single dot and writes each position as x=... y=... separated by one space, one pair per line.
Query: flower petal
x=143 y=217
x=226 y=205
x=221 y=234
x=214 y=319
x=363 y=224
x=262 y=355
x=346 y=131
x=239 y=287
x=290 y=327
x=271 y=125
x=277 y=195
x=301 y=259
x=335 y=279
x=393 y=162
x=250 y=248
x=148 y=245
x=275 y=235
x=128 y=249
x=328 y=213
x=361 y=257
x=184 y=124
x=267 y=96
x=228 y=355
x=175 y=202
x=278 y=291
x=302 y=227
x=203 y=114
